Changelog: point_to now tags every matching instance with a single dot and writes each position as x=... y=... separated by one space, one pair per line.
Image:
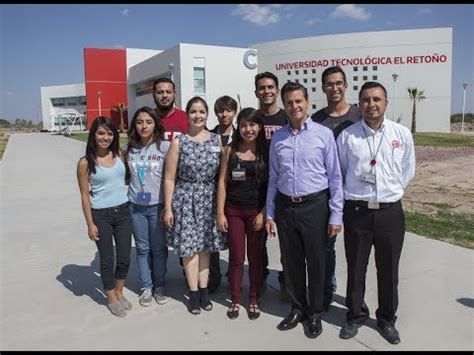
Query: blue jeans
x=150 y=240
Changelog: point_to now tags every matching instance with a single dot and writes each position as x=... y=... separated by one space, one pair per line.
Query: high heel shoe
x=194 y=302
x=204 y=299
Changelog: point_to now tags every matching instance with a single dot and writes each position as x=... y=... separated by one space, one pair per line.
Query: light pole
x=394 y=77
x=99 y=95
x=171 y=67
x=464 y=86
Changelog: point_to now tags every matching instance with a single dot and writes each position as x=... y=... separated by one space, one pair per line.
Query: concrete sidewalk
x=50 y=288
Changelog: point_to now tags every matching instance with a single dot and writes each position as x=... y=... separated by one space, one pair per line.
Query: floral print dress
x=194 y=199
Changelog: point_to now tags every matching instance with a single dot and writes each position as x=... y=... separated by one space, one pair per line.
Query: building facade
x=397 y=59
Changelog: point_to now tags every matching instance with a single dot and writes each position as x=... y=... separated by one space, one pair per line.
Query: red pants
x=240 y=225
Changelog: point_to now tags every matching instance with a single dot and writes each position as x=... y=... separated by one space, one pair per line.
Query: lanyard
x=142 y=167
x=373 y=156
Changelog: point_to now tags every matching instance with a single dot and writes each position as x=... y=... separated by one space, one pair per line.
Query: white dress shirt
x=394 y=162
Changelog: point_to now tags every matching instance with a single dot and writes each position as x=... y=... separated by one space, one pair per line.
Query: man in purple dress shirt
x=305 y=201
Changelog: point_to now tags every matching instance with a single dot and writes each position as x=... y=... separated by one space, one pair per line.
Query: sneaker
x=160 y=297
x=117 y=309
x=146 y=298
x=125 y=303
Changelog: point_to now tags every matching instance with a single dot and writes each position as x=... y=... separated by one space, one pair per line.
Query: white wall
x=59 y=91
x=156 y=65
x=226 y=74
x=433 y=113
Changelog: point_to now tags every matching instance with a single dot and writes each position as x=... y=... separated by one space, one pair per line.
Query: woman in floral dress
x=189 y=212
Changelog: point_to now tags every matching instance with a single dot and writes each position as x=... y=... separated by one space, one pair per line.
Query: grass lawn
x=453 y=228
x=443 y=140
x=82 y=136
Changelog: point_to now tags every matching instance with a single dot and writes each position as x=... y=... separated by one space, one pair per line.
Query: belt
x=371 y=205
x=302 y=199
x=114 y=208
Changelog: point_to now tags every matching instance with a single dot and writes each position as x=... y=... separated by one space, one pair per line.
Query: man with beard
x=173 y=119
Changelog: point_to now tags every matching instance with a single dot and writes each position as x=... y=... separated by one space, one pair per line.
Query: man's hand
x=334 y=229
x=271 y=227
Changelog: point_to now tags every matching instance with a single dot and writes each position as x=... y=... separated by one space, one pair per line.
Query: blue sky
x=42 y=45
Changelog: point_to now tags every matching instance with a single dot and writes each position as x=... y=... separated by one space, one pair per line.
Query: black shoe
x=290 y=321
x=204 y=300
x=252 y=312
x=194 y=307
x=312 y=328
x=349 y=330
x=390 y=333
x=233 y=311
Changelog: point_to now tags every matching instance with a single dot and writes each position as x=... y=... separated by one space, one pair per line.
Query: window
x=313 y=89
x=297 y=81
x=313 y=71
x=297 y=72
x=199 y=80
x=364 y=68
x=313 y=106
x=374 y=77
x=288 y=72
x=305 y=81
x=364 y=77
x=288 y=81
x=355 y=87
x=305 y=71
x=313 y=80
x=374 y=67
x=356 y=68
x=356 y=78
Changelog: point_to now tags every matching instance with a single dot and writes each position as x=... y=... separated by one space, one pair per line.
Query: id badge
x=144 y=196
x=368 y=178
x=238 y=174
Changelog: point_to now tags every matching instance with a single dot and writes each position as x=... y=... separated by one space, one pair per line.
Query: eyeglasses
x=338 y=84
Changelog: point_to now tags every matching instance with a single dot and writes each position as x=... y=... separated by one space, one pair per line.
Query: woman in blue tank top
x=101 y=178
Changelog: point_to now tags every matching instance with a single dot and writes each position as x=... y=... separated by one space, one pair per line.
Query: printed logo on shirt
x=170 y=135
x=397 y=144
x=270 y=129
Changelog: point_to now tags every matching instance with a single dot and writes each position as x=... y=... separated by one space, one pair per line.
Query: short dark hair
x=332 y=70
x=292 y=86
x=194 y=100
x=163 y=80
x=371 y=85
x=225 y=103
x=266 y=74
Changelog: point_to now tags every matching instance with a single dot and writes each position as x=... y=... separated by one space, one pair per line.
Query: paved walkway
x=50 y=289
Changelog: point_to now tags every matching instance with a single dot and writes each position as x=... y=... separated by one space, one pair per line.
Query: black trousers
x=114 y=224
x=302 y=230
x=385 y=230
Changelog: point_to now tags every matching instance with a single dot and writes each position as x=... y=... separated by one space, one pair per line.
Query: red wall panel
x=106 y=72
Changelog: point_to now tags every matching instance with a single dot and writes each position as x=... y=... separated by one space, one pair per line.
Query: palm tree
x=416 y=95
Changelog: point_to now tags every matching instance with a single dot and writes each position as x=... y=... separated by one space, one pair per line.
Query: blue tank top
x=108 y=187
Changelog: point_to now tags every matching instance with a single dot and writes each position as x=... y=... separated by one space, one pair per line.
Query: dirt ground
x=443 y=179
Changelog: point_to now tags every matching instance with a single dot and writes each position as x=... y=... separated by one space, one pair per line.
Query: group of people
x=277 y=172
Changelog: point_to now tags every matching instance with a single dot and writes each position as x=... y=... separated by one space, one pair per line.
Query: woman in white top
x=145 y=154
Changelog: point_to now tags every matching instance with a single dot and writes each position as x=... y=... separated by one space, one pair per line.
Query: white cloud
x=350 y=11
x=425 y=11
x=312 y=21
x=258 y=14
x=9 y=93
x=125 y=12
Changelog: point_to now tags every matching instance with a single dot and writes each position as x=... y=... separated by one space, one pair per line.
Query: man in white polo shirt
x=377 y=160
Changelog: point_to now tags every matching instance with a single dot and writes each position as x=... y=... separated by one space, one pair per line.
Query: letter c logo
x=250 y=53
